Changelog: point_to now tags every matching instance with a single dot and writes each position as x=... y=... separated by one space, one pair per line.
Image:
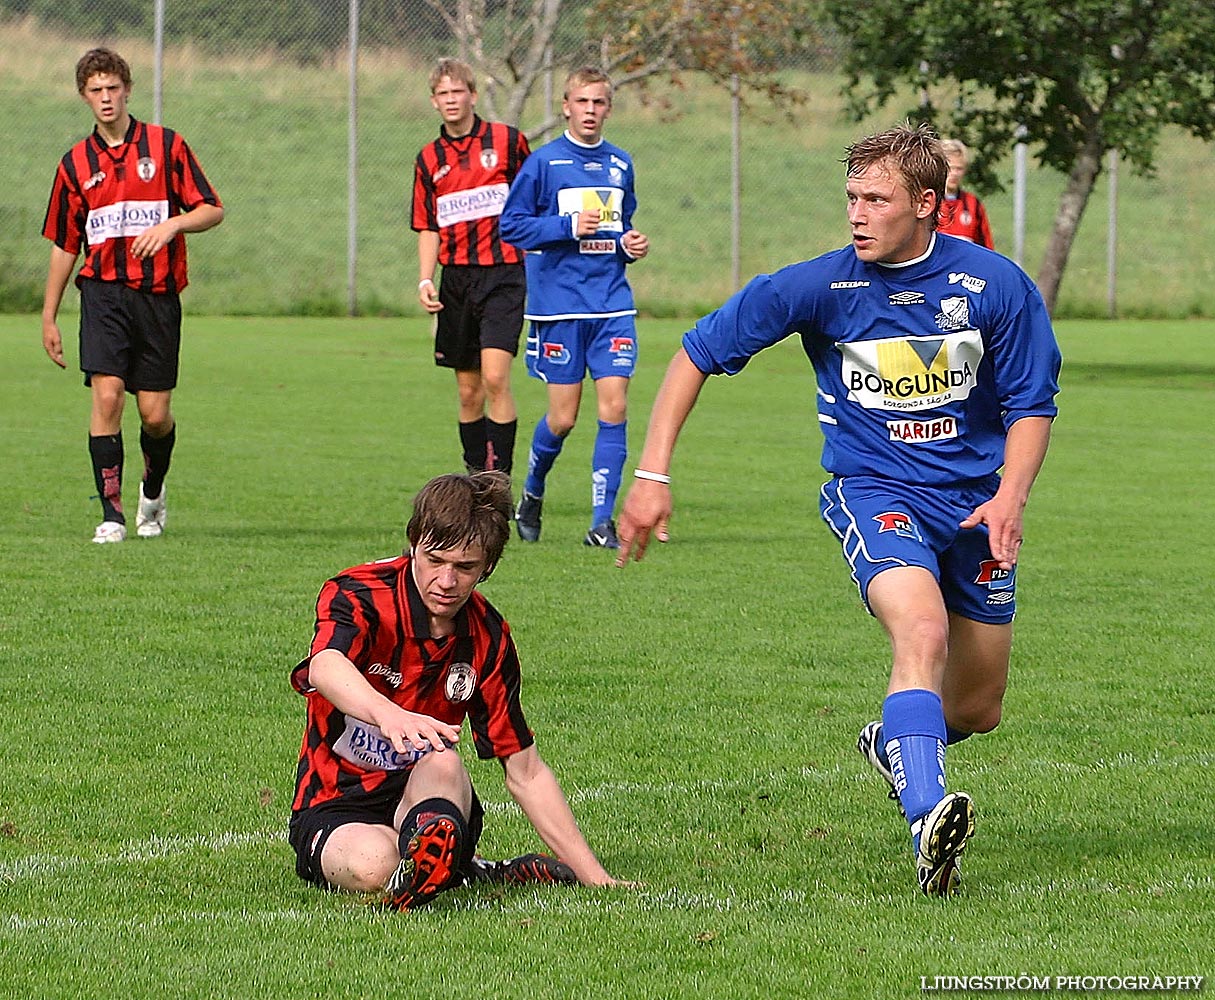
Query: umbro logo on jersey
x=907 y=299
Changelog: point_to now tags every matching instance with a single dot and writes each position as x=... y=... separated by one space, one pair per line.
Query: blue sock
x=546 y=446
x=913 y=726
x=607 y=466
x=952 y=736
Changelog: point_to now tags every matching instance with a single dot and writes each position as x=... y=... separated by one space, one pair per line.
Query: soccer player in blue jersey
x=571 y=207
x=937 y=368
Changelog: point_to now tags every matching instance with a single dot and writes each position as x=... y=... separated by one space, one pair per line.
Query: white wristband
x=653 y=477
x=424 y=281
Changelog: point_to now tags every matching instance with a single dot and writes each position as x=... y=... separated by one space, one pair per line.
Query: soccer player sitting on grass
x=936 y=367
x=404 y=650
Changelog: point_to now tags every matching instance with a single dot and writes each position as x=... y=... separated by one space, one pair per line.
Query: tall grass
x=700 y=708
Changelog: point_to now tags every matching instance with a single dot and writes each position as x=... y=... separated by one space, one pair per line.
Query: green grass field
x=272 y=137
x=700 y=708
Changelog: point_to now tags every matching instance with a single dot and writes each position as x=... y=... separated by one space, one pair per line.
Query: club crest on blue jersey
x=900 y=523
x=556 y=353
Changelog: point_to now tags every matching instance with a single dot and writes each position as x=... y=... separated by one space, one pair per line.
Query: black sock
x=472 y=437
x=106 y=452
x=500 y=445
x=157 y=453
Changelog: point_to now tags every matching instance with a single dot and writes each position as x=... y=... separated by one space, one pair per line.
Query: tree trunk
x=1067 y=218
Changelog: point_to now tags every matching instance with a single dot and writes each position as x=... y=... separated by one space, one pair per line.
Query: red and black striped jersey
x=374 y=615
x=459 y=187
x=104 y=196
x=965 y=216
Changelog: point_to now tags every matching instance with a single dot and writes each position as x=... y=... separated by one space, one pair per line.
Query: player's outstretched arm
x=647 y=507
x=339 y=681
x=535 y=788
x=1024 y=452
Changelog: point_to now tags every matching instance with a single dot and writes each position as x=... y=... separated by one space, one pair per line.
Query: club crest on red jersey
x=461 y=682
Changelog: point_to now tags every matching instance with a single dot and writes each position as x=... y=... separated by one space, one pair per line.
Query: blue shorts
x=882 y=524
x=561 y=351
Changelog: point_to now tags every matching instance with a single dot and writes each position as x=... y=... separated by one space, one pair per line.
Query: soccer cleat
x=523 y=870
x=527 y=517
x=944 y=833
x=150 y=518
x=867 y=744
x=428 y=866
x=110 y=531
x=603 y=536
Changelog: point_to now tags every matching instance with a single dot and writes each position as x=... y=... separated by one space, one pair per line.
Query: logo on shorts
x=622 y=345
x=461 y=682
x=900 y=523
x=555 y=353
x=146 y=168
x=489 y=158
x=993 y=577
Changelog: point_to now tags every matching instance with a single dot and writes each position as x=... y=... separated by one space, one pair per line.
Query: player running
x=936 y=367
x=572 y=208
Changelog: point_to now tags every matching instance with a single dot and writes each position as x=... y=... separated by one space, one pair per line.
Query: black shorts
x=134 y=335
x=482 y=307
x=310 y=829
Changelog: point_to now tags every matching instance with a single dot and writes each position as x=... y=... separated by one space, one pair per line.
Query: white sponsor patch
x=968 y=281
x=124 y=218
x=911 y=373
x=596 y=246
x=607 y=201
x=475 y=203
x=922 y=431
x=363 y=744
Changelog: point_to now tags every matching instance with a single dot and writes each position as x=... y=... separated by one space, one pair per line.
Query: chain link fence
x=314 y=164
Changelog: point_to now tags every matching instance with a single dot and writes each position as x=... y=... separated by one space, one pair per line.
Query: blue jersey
x=568 y=277
x=921 y=367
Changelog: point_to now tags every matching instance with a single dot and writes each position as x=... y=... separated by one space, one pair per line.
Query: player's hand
x=635 y=244
x=152 y=239
x=413 y=731
x=588 y=222
x=1003 y=519
x=428 y=295
x=646 y=509
x=52 y=342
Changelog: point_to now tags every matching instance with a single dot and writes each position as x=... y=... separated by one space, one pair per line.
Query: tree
x=512 y=44
x=1074 y=79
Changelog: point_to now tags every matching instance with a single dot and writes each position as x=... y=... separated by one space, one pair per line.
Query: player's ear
x=927 y=204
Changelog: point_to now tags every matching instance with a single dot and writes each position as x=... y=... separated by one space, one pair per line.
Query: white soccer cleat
x=944 y=833
x=109 y=531
x=150 y=518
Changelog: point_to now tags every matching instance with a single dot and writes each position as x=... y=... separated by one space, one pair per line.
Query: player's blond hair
x=584 y=76
x=914 y=153
x=956 y=147
x=454 y=69
x=455 y=511
x=97 y=61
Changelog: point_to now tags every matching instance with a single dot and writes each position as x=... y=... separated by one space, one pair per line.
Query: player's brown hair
x=101 y=61
x=584 y=76
x=914 y=153
x=454 y=511
x=454 y=69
